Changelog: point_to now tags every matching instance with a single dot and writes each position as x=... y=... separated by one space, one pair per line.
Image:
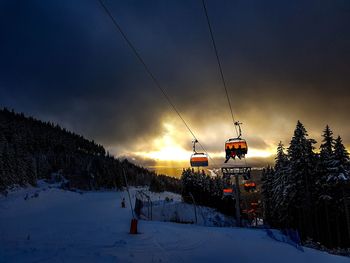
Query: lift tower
x=232 y=173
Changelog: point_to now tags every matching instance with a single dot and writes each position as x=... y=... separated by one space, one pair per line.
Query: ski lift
x=227 y=191
x=236 y=146
x=198 y=159
x=250 y=186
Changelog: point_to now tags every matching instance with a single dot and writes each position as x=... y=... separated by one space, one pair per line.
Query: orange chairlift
x=250 y=186
x=228 y=192
x=236 y=147
x=198 y=159
x=228 y=189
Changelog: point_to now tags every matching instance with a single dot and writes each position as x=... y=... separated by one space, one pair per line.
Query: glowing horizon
x=169 y=151
x=167 y=148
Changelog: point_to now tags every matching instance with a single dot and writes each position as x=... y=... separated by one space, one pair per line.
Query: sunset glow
x=260 y=153
x=168 y=148
x=168 y=153
x=165 y=147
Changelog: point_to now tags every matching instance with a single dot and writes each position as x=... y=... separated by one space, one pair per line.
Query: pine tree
x=336 y=186
x=281 y=159
x=341 y=190
x=327 y=144
x=341 y=154
x=280 y=188
x=338 y=169
x=326 y=165
x=301 y=173
x=267 y=194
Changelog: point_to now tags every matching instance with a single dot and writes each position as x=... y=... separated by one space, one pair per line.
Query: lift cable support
x=149 y=72
x=236 y=123
x=194 y=145
x=233 y=172
x=219 y=63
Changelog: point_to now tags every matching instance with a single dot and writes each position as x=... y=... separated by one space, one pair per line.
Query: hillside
x=47 y=224
x=31 y=149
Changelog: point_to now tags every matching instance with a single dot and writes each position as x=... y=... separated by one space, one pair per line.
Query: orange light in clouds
x=259 y=153
x=169 y=153
x=252 y=153
x=166 y=148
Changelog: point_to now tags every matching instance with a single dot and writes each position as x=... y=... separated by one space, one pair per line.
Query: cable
x=219 y=63
x=149 y=72
x=221 y=71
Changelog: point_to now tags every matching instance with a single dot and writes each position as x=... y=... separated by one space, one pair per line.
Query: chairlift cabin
x=228 y=192
x=249 y=186
x=237 y=146
x=199 y=160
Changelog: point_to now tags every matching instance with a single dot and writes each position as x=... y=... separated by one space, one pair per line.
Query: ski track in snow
x=64 y=226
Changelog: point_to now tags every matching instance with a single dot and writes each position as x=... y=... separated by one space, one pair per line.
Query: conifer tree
x=341 y=155
x=327 y=144
x=339 y=170
x=301 y=174
x=267 y=193
x=280 y=189
x=326 y=165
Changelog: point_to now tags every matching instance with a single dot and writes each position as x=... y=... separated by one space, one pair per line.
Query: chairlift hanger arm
x=237 y=123
x=194 y=145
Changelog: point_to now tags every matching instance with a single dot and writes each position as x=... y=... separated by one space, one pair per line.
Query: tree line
x=31 y=149
x=206 y=191
x=308 y=190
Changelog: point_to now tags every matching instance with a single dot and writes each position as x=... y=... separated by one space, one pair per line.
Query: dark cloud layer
x=284 y=61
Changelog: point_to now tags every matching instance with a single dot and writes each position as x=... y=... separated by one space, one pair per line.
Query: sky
x=283 y=61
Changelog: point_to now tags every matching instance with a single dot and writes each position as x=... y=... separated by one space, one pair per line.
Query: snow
x=175 y=211
x=169 y=207
x=54 y=225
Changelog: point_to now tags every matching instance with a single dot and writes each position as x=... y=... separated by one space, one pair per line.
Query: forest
x=306 y=190
x=309 y=190
x=31 y=149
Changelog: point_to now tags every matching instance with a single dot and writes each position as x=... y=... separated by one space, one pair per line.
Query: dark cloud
x=283 y=61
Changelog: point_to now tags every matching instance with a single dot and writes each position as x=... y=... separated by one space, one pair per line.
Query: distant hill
x=31 y=149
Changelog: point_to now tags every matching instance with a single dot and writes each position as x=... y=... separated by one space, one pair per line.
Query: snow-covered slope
x=63 y=226
x=169 y=207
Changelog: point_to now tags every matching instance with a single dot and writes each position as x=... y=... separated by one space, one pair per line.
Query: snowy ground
x=170 y=208
x=63 y=226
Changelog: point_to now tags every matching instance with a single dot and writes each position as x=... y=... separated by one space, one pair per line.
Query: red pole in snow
x=133 y=226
